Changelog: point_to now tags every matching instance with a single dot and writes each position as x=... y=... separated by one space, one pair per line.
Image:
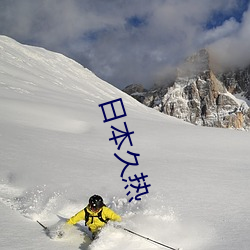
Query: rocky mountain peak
x=200 y=96
x=196 y=64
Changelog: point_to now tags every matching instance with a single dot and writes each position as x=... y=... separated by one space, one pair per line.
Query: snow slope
x=55 y=153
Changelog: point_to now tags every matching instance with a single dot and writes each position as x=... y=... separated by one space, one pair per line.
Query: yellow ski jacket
x=94 y=223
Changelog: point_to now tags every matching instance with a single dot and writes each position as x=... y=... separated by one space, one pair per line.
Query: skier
x=95 y=214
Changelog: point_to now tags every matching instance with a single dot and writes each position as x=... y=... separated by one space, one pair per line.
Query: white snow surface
x=55 y=153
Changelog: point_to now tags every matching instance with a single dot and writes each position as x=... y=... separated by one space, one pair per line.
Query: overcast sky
x=131 y=41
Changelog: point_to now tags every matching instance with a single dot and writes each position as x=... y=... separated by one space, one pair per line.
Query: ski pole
x=45 y=228
x=159 y=243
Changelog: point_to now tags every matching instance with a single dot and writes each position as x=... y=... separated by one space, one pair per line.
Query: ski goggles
x=94 y=208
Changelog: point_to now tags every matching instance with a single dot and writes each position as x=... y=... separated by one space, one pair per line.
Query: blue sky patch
x=219 y=17
x=136 y=21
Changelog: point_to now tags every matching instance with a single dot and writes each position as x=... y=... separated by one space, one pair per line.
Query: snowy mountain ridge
x=55 y=153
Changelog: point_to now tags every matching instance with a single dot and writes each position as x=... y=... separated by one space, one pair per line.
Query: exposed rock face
x=199 y=97
x=237 y=81
x=137 y=91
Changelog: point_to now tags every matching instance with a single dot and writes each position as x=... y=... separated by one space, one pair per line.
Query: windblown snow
x=55 y=153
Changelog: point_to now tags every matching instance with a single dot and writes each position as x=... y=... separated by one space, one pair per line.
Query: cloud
x=228 y=28
x=125 y=42
x=233 y=49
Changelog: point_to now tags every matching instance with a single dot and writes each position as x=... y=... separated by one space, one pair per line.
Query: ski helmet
x=95 y=202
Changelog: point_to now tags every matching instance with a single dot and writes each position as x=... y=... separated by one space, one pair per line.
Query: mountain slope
x=55 y=153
